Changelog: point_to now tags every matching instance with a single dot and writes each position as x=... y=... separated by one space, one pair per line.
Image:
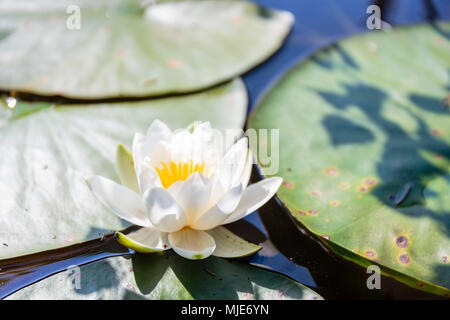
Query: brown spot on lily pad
x=363 y=189
x=331 y=171
x=335 y=203
x=237 y=19
x=45 y=79
x=344 y=185
x=316 y=193
x=436 y=132
x=446 y=101
x=402 y=242
x=120 y=53
x=370 y=254
x=444 y=259
x=313 y=212
x=371 y=181
x=173 y=63
x=301 y=212
x=288 y=184
x=404 y=258
x=69 y=239
x=148 y=83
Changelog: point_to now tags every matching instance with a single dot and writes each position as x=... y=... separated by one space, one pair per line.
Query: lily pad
x=365 y=150
x=47 y=154
x=132 y=48
x=167 y=277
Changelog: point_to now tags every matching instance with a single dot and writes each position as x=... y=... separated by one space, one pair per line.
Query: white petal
x=158 y=131
x=145 y=240
x=175 y=188
x=220 y=212
x=182 y=146
x=232 y=136
x=208 y=144
x=254 y=197
x=247 y=171
x=217 y=190
x=229 y=245
x=193 y=195
x=164 y=213
x=231 y=199
x=148 y=178
x=143 y=146
x=124 y=202
x=192 y=244
x=136 y=149
x=232 y=165
x=161 y=154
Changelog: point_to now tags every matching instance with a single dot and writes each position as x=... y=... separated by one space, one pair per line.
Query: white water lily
x=181 y=187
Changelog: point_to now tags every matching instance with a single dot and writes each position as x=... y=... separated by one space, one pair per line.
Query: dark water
x=287 y=247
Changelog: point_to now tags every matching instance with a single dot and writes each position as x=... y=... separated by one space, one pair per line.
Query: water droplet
x=11 y=102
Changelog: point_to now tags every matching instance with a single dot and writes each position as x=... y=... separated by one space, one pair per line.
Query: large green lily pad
x=167 y=277
x=46 y=155
x=127 y=48
x=364 y=150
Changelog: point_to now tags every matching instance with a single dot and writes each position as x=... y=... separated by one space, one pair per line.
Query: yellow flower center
x=173 y=172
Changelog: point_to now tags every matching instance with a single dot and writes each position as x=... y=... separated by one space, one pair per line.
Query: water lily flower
x=181 y=187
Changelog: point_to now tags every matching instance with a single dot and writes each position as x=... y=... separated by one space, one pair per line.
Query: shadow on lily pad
x=212 y=278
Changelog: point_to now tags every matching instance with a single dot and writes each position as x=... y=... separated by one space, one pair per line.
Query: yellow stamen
x=173 y=172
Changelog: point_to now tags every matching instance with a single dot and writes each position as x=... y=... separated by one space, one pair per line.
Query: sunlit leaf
x=364 y=150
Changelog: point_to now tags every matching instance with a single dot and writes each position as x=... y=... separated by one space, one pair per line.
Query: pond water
x=287 y=247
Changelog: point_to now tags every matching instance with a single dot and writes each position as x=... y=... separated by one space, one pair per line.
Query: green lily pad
x=47 y=154
x=126 y=49
x=167 y=277
x=364 y=150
